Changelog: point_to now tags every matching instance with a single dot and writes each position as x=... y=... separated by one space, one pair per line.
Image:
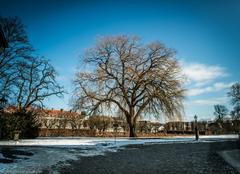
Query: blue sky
x=205 y=35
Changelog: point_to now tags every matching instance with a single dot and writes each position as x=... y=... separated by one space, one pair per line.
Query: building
x=185 y=127
x=60 y=119
x=69 y=120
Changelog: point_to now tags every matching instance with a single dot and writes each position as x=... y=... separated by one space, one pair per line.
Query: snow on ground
x=47 y=152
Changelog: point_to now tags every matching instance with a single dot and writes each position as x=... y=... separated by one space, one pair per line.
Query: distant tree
x=156 y=127
x=53 y=123
x=235 y=115
x=234 y=93
x=143 y=126
x=92 y=122
x=220 y=112
x=63 y=123
x=134 y=78
x=76 y=121
x=45 y=122
x=100 y=123
x=120 y=120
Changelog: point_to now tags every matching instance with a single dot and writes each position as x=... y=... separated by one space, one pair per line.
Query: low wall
x=66 y=132
x=93 y=133
x=78 y=132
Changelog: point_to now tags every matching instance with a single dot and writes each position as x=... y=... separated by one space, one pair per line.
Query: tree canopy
x=129 y=76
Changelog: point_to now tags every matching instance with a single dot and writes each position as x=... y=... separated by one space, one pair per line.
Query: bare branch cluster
x=18 y=49
x=234 y=93
x=25 y=79
x=134 y=78
x=36 y=80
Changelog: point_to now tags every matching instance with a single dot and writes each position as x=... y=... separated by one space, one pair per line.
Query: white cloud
x=200 y=73
x=214 y=88
x=212 y=101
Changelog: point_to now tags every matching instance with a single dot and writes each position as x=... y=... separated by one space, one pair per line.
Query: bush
x=101 y=123
x=26 y=123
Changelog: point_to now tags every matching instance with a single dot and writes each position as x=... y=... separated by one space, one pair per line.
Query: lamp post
x=196 y=128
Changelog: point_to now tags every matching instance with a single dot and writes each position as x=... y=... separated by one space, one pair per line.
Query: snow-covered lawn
x=35 y=155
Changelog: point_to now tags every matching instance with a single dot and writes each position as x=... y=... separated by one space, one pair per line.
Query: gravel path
x=197 y=158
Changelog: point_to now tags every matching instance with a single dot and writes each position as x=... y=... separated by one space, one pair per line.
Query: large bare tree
x=123 y=74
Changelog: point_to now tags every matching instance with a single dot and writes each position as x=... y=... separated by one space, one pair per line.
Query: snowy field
x=35 y=155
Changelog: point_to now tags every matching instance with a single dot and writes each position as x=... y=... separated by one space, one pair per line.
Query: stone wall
x=66 y=132
x=92 y=133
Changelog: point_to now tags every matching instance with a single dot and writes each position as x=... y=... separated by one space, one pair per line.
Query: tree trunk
x=132 y=125
x=132 y=130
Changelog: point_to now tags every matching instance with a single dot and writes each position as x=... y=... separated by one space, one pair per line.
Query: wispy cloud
x=210 y=102
x=214 y=88
x=201 y=73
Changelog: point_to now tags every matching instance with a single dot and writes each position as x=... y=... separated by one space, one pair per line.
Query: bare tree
x=99 y=122
x=235 y=114
x=143 y=126
x=134 y=78
x=46 y=122
x=220 y=112
x=234 y=93
x=63 y=123
x=18 y=49
x=76 y=121
x=36 y=80
x=54 y=123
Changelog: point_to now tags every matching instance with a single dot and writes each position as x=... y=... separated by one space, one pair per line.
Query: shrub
x=25 y=122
